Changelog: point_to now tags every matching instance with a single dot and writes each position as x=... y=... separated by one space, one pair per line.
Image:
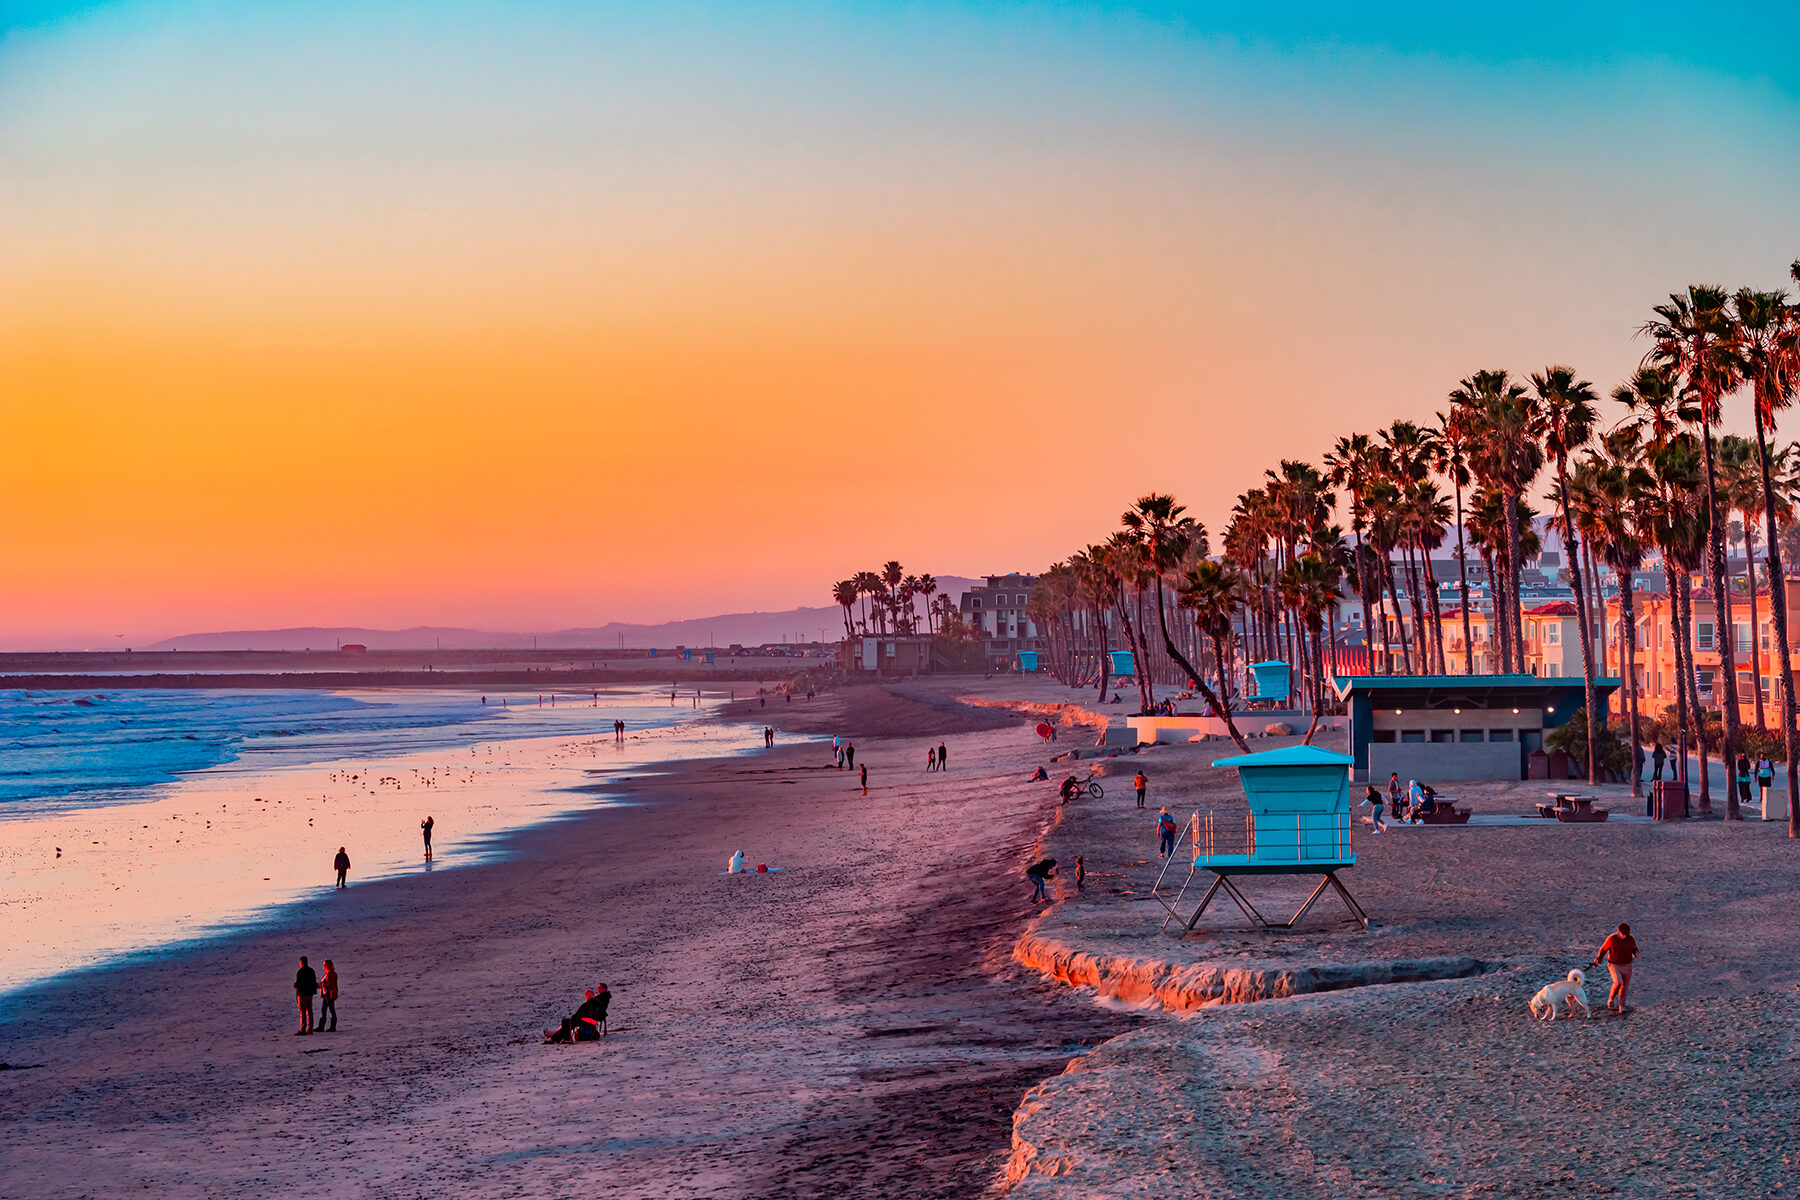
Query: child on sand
x=1619 y=949
x=1080 y=871
x=864 y=769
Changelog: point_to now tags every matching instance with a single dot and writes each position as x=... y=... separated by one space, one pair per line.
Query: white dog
x=1570 y=992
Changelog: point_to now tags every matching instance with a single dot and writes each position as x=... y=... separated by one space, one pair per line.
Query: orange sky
x=524 y=354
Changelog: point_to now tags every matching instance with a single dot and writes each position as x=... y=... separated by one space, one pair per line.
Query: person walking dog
x=1619 y=950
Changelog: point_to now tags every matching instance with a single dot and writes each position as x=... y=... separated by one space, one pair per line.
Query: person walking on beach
x=1375 y=800
x=1765 y=779
x=1743 y=778
x=1039 y=873
x=306 y=986
x=1165 y=831
x=837 y=748
x=341 y=864
x=1619 y=950
x=943 y=755
x=328 y=993
x=1395 y=791
x=840 y=754
x=865 y=778
x=1658 y=757
x=850 y=755
x=1080 y=871
x=1139 y=782
x=425 y=828
x=930 y=759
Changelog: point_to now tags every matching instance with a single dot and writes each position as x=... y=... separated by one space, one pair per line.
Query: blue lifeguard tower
x=1271 y=680
x=1298 y=823
x=1027 y=660
x=1123 y=662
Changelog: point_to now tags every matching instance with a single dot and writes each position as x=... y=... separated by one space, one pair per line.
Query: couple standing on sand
x=307 y=984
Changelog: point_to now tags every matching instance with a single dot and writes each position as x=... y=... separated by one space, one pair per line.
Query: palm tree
x=1616 y=498
x=1097 y=585
x=1506 y=458
x=1214 y=592
x=1678 y=527
x=1166 y=535
x=1767 y=336
x=1450 y=458
x=927 y=587
x=1310 y=586
x=1693 y=337
x=845 y=594
x=1350 y=465
x=1125 y=561
x=1740 y=492
x=1563 y=419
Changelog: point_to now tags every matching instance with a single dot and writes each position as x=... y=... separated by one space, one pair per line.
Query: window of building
x=1553 y=635
x=1703 y=636
x=1765 y=637
x=1704 y=678
x=1741 y=629
x=1412 y=735
x=1553 y=670
x=1384 y=735
x=1500 y=735
x=1443 y=735
x=890 y=649
x=1472 y=735
x=975 y=602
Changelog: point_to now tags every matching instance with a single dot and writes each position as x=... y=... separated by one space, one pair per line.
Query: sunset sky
x=542 y=315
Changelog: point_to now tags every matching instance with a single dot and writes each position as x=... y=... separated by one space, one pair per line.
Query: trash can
x=1559 y=764
x=1537 y=765
x=1668 y=800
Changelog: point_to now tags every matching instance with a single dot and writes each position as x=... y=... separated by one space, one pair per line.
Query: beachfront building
x=1753 y=641
x=886 y=654
x=1437 y=728
x=995 y=611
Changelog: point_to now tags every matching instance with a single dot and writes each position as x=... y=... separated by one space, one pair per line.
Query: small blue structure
x=687 y=655
x=1271 y=680
x=706 y=656
x=1123 y=663
x=1028 y=660
x=1298 y=823
x=653 y=652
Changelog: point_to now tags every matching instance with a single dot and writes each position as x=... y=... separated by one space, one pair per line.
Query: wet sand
x=850 y=1025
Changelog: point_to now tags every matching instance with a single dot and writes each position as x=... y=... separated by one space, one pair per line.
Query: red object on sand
x=762 y=868
x=1043 y=730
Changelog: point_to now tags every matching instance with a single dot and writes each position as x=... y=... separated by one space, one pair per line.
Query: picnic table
x=1571 y=808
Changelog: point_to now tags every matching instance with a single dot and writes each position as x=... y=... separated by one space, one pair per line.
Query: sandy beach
x=888 y=1015
x=851 y=1024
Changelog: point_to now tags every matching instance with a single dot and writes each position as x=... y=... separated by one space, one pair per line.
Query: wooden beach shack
x=1298 y=823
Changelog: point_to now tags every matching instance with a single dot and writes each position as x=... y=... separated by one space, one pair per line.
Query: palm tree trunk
x=1100 y=641
x=1317 y=690
x=1572 y=555
x=1681 y=669
x=1200 y=683
x=1414 y=590
x=1691 y=679
x=1437 y=613
x=1399 y=617
x=1628 y=638
x=1224 y=684
x=1462 y=572
x=1362 y=592
x=1728 y=645
x=1599 y=612
x=1778 y=614
x=1500 y=619
x=1755 y=620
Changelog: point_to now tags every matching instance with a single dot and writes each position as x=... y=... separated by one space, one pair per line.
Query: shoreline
x=889 y=1054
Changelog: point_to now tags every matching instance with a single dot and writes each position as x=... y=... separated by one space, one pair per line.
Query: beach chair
x=598 y=1024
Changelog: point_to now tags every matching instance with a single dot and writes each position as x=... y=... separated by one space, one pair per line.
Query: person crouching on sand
x=1039 y=873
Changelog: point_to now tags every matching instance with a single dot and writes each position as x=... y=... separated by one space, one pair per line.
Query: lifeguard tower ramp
x=1298 y=823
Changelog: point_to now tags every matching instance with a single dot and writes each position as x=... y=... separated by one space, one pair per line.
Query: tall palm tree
x=1450 y=458
x=1740 y=492
x=1620 y=485
x=845 y=594
x=927 y=587
x=1694 y=338
x=1678 y=529
x=1563 y=420
x=1097 y=585
x=1351 y=465
x=1166 y=535
x=1506 y=458
x=1213 y=591
x=1310 y=584
x=1767 y=338
x=1125 y=560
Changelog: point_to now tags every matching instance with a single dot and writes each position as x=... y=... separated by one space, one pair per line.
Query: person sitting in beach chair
x=587 y=1024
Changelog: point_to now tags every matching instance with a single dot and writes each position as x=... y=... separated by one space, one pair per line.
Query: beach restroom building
x=1447 y=727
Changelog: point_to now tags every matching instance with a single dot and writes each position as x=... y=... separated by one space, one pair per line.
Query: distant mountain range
x=747 y=629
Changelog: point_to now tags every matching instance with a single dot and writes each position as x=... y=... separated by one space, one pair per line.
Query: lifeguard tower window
x=1473 y=735
x=1500 y=735
x=1384 y=735
x=1412 y=735
x=1443 y=735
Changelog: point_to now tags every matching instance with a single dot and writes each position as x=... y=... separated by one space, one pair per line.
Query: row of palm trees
x=1659 y=479
x=887 y=601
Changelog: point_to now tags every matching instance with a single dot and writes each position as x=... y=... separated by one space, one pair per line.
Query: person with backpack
x=1039 y=873
x=1165 y=829
x=1765 y=779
